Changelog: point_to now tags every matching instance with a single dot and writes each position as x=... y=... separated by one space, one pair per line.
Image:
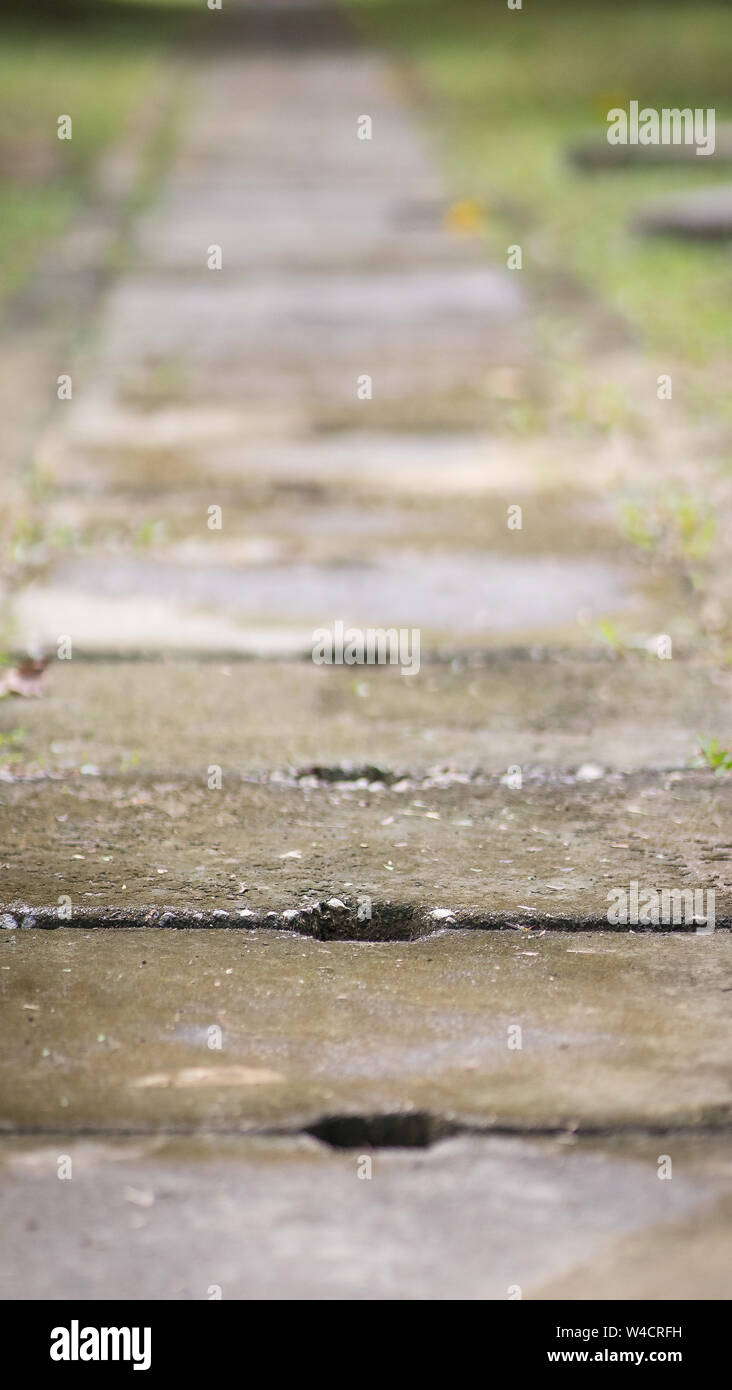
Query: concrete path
x=190 y=767
x=148 y=1031
x=469 y=1219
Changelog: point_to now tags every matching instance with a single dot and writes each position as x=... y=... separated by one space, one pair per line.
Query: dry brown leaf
x=25 y=679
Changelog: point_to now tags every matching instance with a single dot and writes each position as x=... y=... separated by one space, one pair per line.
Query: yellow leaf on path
x=465 y=218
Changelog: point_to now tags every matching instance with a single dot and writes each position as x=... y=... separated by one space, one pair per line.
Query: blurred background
x=509 y=94
x=626 y=275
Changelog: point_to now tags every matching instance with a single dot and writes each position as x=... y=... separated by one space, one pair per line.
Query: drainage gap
x=413 y=1129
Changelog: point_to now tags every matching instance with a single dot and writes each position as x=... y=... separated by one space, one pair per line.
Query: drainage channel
x=332 y=920
x=415 y=1129
x=399 y=1129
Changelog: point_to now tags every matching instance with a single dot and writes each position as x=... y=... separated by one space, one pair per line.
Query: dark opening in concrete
x=414 y=1129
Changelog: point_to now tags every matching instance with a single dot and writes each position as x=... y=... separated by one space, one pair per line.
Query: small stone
x=336 y=905
x=589 y=772
x=442 y=914
x=219 y=912
x=8 y=922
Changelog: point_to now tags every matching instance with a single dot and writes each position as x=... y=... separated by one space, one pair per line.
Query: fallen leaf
x=465 y=217
x=24 y=679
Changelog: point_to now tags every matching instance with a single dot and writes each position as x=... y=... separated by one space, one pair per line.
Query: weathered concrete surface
x=291 y=117
x=304 y=303
x=159 y=445
x=251 y=609
x=469 y=1219
x=177 y=377
x=373 y=225
x=238 y=388
x=129 y=825
x=109 y=1031
x=686 y=1259
x=550 y=714
x=549 y=854
x=222 y=387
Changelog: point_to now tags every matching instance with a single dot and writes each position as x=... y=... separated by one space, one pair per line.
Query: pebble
x=589 y=772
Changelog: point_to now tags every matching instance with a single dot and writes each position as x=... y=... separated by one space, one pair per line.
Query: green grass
x=93 y=63
x=714 y=756
x=508 y=91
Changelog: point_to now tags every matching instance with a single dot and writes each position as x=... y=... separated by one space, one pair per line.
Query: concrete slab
x=547 y=715
x=327 y=328
x=294 y=117
x=485 y=1219
x=266 y=520
x=145 y=1031
x=147 y=604
x=362 y=820
x=151 y=449
x=131 y=849
x=267 y=231
x=685 y=1259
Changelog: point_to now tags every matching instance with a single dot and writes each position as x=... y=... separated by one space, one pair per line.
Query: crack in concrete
x=389 y=1129
x=334 y=920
